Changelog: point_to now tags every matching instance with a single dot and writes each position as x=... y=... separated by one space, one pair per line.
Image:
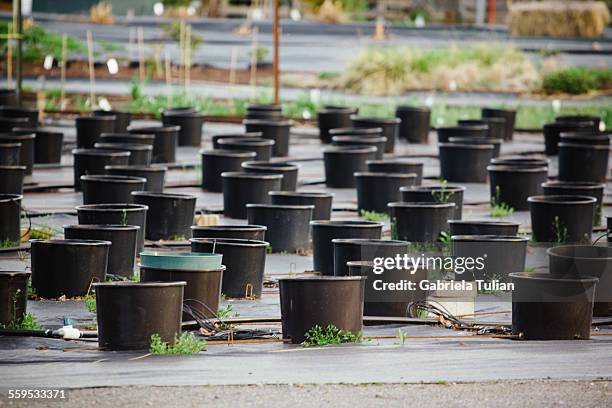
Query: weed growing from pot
x=394 y=234
x=186 y=344
x=559 y=231
x=499 y=209
x=318 y=336
x=442 y=195
x=7 y=243
x=445 y=240
x=373 y=215
x=123 y=220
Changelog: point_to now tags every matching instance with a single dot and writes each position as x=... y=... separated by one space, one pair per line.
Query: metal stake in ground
x=276 y=46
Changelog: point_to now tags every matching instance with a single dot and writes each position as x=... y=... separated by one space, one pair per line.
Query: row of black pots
x=333 y=118
x=154 y=175
x=190 y=124
x=552 y=133
x=358 y=141
x=277 y=130
x=165 y=142
x=26 y=150
x=140 y=154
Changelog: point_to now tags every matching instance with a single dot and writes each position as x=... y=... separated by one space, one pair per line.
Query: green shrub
x=577 y=80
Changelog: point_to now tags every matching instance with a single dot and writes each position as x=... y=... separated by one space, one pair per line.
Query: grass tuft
x=318 y=336
x=186 y=344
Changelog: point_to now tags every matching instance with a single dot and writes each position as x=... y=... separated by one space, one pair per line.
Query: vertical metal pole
x=18 y=21
x=276 y=45
x=92 y=78
x=63 y=73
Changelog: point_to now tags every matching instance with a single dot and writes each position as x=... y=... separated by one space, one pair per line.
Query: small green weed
x=186 y=344
x=373 y=215
x=90 y=303
x=559 y=231
x=499 y=209
x=318 y=336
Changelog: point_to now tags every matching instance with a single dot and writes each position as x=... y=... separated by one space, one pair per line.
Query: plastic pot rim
x=233 y=242
x=280 y=206
x=306 y=194
x=373 y=119
x=420 y=204
x=129 y=284
x=174 y=196
x=489 y=238
x=101 y=152
x=552 y=252
x=450 y=188
x=284 y=166
x=102 y=227
x=112 y=178
x=112 y=207
x=348 y=223
x=154 y=129
x=380 y=174
x=245 y=175
x=232 y=227
x=561 y=199
x=137 y=167
x=547 y=277
x=267 y=122
x=72 y=242
x=369 y=241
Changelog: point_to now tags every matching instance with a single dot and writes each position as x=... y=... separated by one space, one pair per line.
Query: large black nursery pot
x=580 y=162
x=122 y=118
x=11 y=179
x=357 y=249
x=375 y=190
x=436 y=194
x=190 y=123
x=588 y=138
x=473 y=131
x=242 y=188
x=323 y=232
x=47 y=144
x=264 y=111
x=333 y=118
x=13 y=296
x=123 y=214
x=8 y=97
x=10 y=211
x=132 y=138
x=578 y=188
x=495 y=126
x=508 y=114
x=89 y=129
x=594 y=120
x=389 y=126
x=585 y=261
x=164 y=145
x=67 y=266
x=216 y=162
x=513 y=185
x=414 y=126
x=140 y=154
x=129 y=313
x=170 y=216
x=123 y=238
x=274 y=130
x=288 y=170
x=546 y=307
x=465 y=162
x=562 y=218
x=288 y=225
x=520 y=161
x=250 y=135
x=16 y=112
x=552 y=132
x=321 y=301
x=420 y=221
x=9 y=153
x=479 y=141
x=8 y=124
x=244 y=260
x=484 y=227
x=263 y=148
x=107 y=189
x=154 y=175
x=26 y=152
x=94 y=161
x=321 y=200
x=341 y=162
x=359 y=141
x=397 y=166
x=247 y=232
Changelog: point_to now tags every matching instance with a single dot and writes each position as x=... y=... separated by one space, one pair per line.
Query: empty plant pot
x=10 y=153
x=389 y=126
x=107 y=189
x=13 y=297
x=242 y=188
x=8 y=124
x=578 y=188
x=375 y=190
x=561 y=218
x=333 y=118
x=588 y=138
x=436 y=194
x=288 y=170
x=47 y=144
x=465 y=162
x=545 y=307
x=377 y=142
x=324 y=232
x=479 y=141
x=485 y=227
x=122 y=214
x=10 y=211
x=132 y=138
x=341 y=162
x=235 y=136
x=579 y=162
x=154 y=175
x=263 y=148
x=244 y=260
x=26 y=152
x=520 y=161
x=321 y=301
x=123 y=238
x=495 y=126
x=274 y=130
x=414 y=126
x=122 y=118
x=322 y=201
x=129 y=313
x=89 y=129
x=11 y=179
x=190 y=123
x=216 y=162
x=170 y=216
x=513 y=185
x=552 y=132
x=248 y=232
x=397 y=166
x=67 y=266
x=140 y=154
x=16 y=112
x=263 y=111
x=164 y=145
x=357 y=249
x=594 y=120
x=420 y=222
x=93 y=161
x=508 y=114
x=288 y=225
x=474 y=131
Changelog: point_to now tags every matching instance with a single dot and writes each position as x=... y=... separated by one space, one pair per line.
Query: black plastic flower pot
x=609 y=229
x=247 y=232
x=8 y=97
x=579 y=162
x=47 y=144
x=473 y=131
x=360 y=141
x=10 y=211
x=288 y=225
x=164 y=145
x=508 y=114
x=414 y=126
x=495 y=126
x=365 y=132
x=140 y=154
x=235 y=136
x=190 y=123
x=26 y=152
x=155 y=175
x=67 y=266
x=436 y=194
x=322 y=201
x=108 y=189
x=122 y=214
x=170 y=216
x=93 y=161
x=132 y=138
x=122 y=118
x=485 y=227
x=545 y=307
x=216 y=162
x=288 y=170
x=562 y=218
x=389 y=126
x=274 y=130
x=479 y=141
x=321 y=301
x=578 y=188
x=263 y=148
x=244 y=260
x=375 y=190
x=129 y=313
x=552 y=134
x=122 y=252
x=397 y=166
x=588 y=138
x=334 y=118
x=11 y=179
x=520 y=161
x=324 y=232
x=584 y=261
x=420 y=222
x=341 y=162
x=16 y=112
x=358 y=249
x=465 y=162
x=513 y=185
x=89 y=129
x=10 y=153
x=8 y=124
x=242 y=188
x=13 y=296
x=263 y=111
x=594 y=120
